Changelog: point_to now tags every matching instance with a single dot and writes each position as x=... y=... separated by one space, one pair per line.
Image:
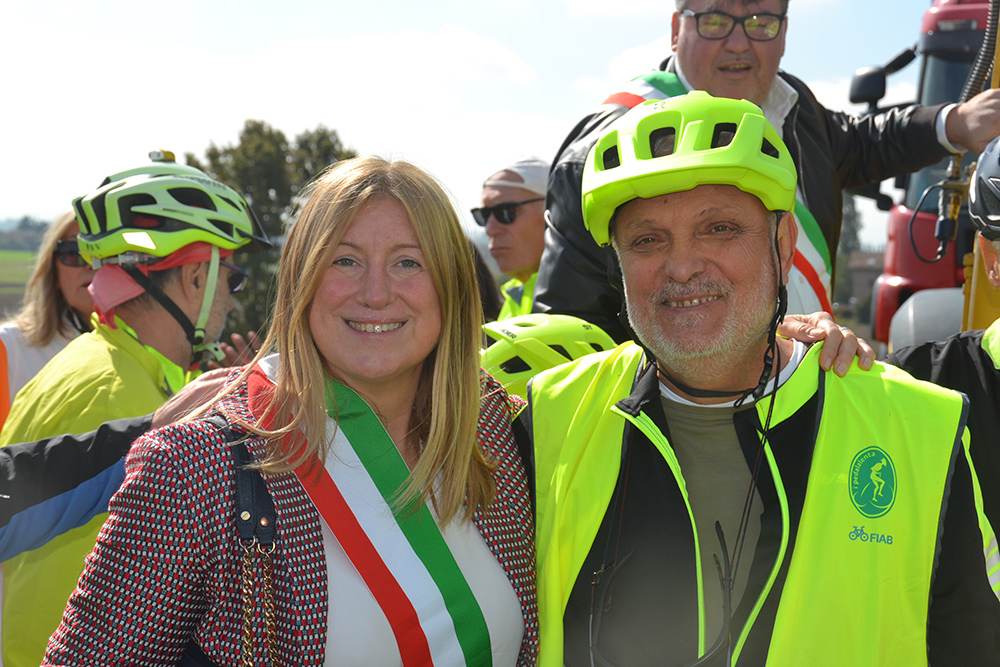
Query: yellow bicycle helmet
x=677 y=144
x=151 y=211
x=520 y=347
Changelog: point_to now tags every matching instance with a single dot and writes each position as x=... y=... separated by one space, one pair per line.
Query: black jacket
x=831 y=150
x=961 y=363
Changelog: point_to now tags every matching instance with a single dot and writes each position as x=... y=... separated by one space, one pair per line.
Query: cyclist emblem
x=873 y=482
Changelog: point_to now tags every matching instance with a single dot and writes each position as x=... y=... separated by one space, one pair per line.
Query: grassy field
x=15 y=268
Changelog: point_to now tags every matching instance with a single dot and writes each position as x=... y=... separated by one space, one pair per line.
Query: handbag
x=255 y=524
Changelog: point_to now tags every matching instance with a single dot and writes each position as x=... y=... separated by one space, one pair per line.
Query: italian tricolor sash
x=810 y=277
x=400 y=554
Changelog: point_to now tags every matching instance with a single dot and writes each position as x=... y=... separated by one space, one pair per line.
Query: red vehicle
x=950 y=36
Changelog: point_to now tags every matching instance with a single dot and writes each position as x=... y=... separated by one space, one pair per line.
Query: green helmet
x=520 y=347
x=677 y=144
x=157 y=209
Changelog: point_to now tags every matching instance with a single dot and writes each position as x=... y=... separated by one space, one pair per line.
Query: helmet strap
x=198 y=345
x=195 y=334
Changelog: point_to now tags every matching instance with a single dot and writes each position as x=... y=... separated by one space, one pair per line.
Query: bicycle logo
x=875 y=538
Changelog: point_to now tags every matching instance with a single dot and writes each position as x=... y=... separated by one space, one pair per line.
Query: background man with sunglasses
x=513 y=213
x=733 y=48
x=160 y=237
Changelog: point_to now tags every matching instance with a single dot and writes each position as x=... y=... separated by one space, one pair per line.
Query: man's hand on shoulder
x=198 y=392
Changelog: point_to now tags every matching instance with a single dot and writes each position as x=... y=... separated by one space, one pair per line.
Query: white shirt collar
x=798 y=354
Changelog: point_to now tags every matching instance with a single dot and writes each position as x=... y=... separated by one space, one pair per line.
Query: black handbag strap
x=254 y=505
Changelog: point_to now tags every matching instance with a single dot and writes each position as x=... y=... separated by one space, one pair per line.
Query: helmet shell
x=677 y=144
x=159 y=208
x=521 y=347
x=984 y=192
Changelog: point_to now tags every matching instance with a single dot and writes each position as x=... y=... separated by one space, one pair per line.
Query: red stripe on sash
x=398 y=609
x=803 y=265
x=625 y=99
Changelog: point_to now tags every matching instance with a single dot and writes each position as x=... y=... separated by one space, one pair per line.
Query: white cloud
x=627 y=65
x=419 y=94
x=620 y=7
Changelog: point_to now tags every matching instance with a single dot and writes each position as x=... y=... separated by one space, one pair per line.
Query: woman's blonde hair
x=446 y=411
x=43 y=314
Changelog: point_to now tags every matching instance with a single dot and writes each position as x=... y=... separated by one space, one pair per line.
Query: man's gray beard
x=738 y=335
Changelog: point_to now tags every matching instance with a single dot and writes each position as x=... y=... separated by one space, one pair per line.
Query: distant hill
x=23 y=234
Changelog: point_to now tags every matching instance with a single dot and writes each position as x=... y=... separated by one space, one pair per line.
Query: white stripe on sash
x=375 y=517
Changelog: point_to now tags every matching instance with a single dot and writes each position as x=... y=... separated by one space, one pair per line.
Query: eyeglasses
x=718 y=25
x=68 y=253
x=505 y=213
x=237 y=277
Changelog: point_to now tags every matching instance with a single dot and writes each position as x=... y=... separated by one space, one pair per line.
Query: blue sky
x=460 y=87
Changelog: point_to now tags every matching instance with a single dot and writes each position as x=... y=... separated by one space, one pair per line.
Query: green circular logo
x=873 y=482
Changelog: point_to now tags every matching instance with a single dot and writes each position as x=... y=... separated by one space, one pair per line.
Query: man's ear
x=675 y=30
x=788 y=234
x=991 y=260
x=193 y=278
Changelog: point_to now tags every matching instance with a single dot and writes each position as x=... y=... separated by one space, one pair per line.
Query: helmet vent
x=597 y=348
x=611 y=158
x=225 y=228
x=767 y=148
x=193 y=197
x=231 y=203
x=723 y=134
x=662 y=141
x=515 y=365
x=561 y=350
x=129 y=217
x=100 y=213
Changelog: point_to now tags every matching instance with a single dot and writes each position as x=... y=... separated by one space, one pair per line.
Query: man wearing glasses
x=733 y=48
x=513 y=214
x=161 y=237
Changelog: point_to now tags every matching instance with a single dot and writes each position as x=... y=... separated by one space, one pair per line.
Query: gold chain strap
x=246 y=643
x=270 y=619
x=270 y=622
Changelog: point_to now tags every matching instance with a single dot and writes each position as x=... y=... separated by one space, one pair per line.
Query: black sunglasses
x=761 y=27
x=505 y=213
x=237 y=279
x=68 y=253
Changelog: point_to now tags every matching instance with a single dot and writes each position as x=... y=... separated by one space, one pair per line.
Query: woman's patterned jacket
x=166 y=567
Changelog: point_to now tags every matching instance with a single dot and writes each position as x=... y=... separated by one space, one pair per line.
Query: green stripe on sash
x=665 y=82
x=814 y=233
x=388 y=471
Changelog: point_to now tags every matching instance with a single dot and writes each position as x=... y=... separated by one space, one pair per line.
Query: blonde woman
x=403 y=526
x=56 y=309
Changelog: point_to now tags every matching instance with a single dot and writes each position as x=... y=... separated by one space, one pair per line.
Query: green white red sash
x=809 y=284
x=401 y=556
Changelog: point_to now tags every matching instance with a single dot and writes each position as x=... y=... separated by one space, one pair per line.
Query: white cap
x=534 y=173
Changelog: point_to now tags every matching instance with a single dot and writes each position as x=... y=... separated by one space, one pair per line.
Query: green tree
x=269 y=171
x=849 y=243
